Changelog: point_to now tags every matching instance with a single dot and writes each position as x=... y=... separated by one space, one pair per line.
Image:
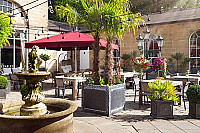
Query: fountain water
x=33 y=114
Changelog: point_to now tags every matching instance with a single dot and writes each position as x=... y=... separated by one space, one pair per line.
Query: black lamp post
x=143 y=44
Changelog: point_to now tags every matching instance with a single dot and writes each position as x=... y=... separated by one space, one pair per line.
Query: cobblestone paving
x=132 y=119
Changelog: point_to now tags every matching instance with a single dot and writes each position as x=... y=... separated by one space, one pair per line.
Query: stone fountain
x=33 y=113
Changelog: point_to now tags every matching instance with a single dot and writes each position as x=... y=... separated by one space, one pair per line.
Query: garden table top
x=174 y=83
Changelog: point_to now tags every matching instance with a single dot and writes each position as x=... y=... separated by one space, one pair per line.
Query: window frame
x=196 y=48
x=6 y=8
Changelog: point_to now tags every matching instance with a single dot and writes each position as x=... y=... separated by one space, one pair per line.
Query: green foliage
x=133 y=54
x=45 y=57
x=185 y=60
x=3 y=82
x=6 y=29
x=73 y=3
x=170 y=63
x=177 y=57
x=24 y=89
x=163 y=91
x=193 y=93
x=102 y=82
x=125 y=56
x=118 y=81
x=111 y=18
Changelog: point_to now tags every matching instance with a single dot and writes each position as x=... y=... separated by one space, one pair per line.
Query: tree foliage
x=110 y=18
x=5 y=29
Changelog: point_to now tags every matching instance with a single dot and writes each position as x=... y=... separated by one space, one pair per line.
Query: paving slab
x=164 y=125
x=192 y=131
x=143 y=125
x=185 y=125
x=195 y=122
x=83 y=127
x=148 y=131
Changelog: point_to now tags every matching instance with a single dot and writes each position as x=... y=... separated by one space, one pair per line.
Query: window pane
x=10 y=4
x=198 y=41
x=193 y=43
x=4 y=9
x=17 y=43
x=1 y=8
x=5 y=3
x=10 y=10
x=1 y=2
x=194 y=36
x=198 y=33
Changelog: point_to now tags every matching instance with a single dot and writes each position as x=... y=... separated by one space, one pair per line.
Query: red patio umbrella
x=67 y=41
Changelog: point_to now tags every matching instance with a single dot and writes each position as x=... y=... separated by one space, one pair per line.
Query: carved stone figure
x=33 y=59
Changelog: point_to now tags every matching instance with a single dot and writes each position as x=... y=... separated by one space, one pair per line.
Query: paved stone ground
x=132 y=119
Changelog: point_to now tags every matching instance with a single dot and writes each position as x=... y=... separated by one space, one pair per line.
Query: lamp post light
x=143 y=44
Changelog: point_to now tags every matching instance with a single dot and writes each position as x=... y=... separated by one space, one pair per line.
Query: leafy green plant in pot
x=162 y=95
x=45 y=58
x=3 y=82
x=193 y=95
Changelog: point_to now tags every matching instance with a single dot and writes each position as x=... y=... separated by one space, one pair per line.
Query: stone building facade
x=29 y=18
x=176 y=27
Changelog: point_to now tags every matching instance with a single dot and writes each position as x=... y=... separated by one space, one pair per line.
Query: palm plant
x=117 y=18
x=109 y=18
x=88 y=13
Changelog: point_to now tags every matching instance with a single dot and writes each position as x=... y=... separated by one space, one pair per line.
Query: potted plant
x=162 y=95
x=140 y=63
x=45 y=58
x=3 y=82
x=160 y=64
x=103 y=99
x=193 y=95
x=3 y=86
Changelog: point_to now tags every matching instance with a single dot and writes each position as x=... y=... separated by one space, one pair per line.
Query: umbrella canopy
x=67 y=41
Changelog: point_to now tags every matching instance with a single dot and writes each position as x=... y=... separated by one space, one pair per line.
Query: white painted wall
x=84 y=59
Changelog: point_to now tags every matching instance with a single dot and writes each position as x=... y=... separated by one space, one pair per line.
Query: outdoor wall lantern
x=160 y=41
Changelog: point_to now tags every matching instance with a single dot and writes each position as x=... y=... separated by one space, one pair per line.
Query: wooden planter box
x=162 y=109
x=194 y=110
x=105 y=100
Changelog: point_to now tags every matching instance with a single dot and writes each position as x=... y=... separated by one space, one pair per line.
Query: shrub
x=163 y=91
x=193 y=93
x=45 y=57
x=3 y=82
x=24 y=89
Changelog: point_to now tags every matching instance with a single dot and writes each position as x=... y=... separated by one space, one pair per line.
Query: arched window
x=194 y=49
x=6 y=6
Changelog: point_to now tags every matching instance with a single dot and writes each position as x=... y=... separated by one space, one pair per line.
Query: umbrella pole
x=75 y=60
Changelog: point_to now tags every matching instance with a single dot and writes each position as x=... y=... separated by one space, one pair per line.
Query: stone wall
x=176 y=38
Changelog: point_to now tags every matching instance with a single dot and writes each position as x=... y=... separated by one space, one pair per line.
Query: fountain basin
x=32 y=77
x=60 y=120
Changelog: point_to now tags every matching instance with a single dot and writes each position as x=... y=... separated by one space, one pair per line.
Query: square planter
x=105 y=100
x=194 y=110
x=162 y=109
